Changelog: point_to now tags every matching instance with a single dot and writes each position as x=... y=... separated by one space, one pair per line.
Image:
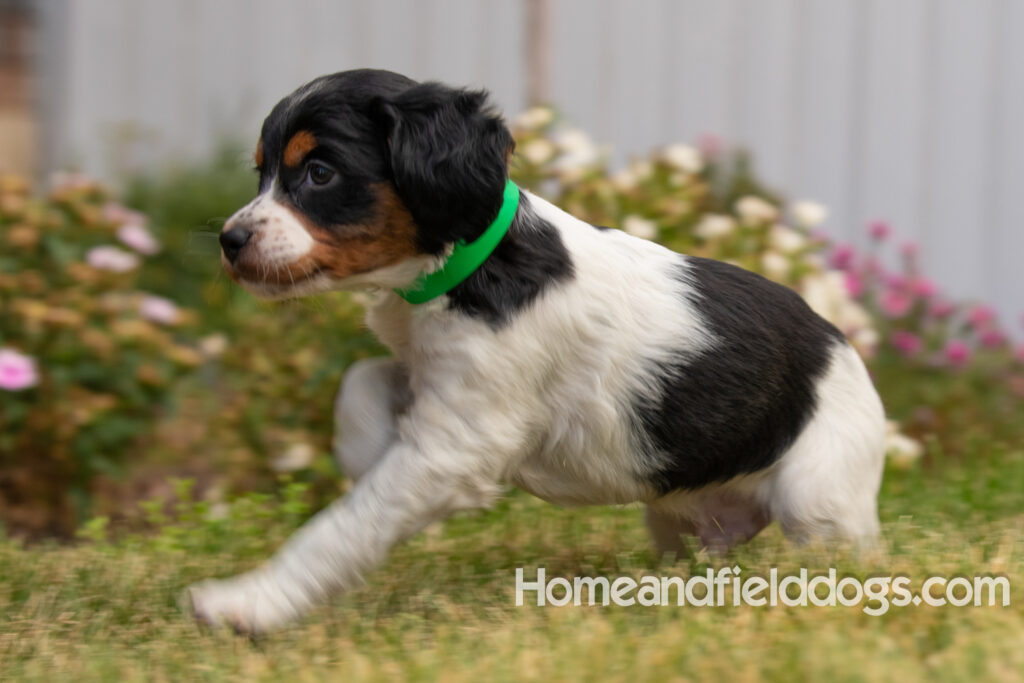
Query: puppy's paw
x=248 y=604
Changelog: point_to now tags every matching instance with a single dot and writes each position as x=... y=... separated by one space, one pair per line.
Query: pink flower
x=158 y=309
x=957 y=352
x=136 y=236
x=895 y=303
x=909 y=250
x=854 y=283
x=980 y=316
x=941 y=308
x=923 y=287
x=842 y=257
x=709 y=145
x=896 y=281
x=992 y=338
x=65 y=180
x=879 y=230
x=907 y=343
x=112 y=259
x=121 y=215
x=17 y=371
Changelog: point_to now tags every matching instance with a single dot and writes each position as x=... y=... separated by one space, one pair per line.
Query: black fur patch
x=339 y=111
x=737 y=407
x=530 y=258
x=449 y=160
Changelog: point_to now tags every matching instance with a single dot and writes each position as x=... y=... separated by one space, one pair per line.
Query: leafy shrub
x=88 y=360
x=231 y=391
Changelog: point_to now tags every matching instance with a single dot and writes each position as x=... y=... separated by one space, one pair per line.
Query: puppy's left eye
x=320 y=174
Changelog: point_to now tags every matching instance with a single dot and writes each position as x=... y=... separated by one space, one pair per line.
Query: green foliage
x=235 y=389
x=99 y=356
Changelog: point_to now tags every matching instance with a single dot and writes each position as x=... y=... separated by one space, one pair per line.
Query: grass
x=442 y=606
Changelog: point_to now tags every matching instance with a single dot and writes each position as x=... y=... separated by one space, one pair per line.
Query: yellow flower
x=148 y=374
x=64 y=317
x=183 y=355
x=22 y=236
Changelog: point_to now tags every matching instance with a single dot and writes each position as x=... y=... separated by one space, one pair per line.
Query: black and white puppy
x=581 y=364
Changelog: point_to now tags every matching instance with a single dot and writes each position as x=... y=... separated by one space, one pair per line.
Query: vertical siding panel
x=765 y=81
x=225 y=46
x=162 y=122
x=636 y=79
x=579 y=60
x=1004 y=249
x=331 y=42
x=909 y=111
x=393 y=36
x=825 y=103
x=954 y=211
x=892 y=109
x=701 y=62
x=503 y=54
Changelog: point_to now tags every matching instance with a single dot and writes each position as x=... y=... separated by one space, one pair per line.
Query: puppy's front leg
x=410 y=488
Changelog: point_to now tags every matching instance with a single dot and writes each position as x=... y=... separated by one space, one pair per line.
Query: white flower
x=683 y=158
x=900 y=448
x=159 y=310
x=112 y=259
x=775 y=265
x=786 y=239
x=538 y=151
x=809 y=214
x=826 y=293
x=136 y=236
x=640 y=227
x=298 y=456
x=575 y=142
x=213 y=345
x=753 y=209
x=534 y=117
x=636 y=172
x=713 y=226
x=578 y=153
x=865 y=340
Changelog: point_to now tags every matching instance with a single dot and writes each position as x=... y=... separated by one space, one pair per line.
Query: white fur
x=278 y=237
x=543 y=403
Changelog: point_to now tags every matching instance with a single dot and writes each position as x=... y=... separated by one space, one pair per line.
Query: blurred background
x=869 y=154
x=158 y=425
x=904 y=111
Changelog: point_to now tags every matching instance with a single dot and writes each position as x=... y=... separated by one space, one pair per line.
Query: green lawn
x=443 y=604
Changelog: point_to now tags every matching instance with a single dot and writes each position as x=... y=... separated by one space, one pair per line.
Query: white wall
x=907 y=110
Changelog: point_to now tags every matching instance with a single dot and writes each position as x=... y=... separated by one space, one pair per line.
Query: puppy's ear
x=448 y=153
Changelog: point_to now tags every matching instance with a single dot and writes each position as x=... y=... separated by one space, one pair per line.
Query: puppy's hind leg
x=669 y=531
x=373 y=393
x=826 y=486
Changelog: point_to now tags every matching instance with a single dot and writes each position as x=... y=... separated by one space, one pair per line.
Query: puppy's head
x=366 y=179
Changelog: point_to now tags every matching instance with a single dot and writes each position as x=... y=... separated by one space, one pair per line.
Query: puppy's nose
x=232 y=242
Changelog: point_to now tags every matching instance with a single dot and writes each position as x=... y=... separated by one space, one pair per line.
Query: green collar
x=465 y=258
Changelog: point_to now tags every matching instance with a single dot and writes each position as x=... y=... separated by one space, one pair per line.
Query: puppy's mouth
x=271 y=280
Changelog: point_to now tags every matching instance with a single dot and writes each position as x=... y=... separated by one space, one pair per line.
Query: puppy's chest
x=585 y=455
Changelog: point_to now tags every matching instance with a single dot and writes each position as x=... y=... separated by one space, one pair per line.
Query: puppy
x=578 y=363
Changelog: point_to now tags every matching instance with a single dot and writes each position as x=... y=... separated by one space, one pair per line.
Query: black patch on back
x=600 y=228
x=737 y=407
x=530 y=258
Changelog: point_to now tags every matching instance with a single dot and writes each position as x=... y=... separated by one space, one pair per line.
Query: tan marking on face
x=301 y=144
x=388 y=237
x=258 y=156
